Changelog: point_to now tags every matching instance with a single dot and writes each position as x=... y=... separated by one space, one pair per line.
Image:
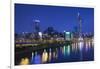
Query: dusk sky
x=61 y=18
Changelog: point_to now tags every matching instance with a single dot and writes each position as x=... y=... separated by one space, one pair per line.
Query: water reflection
x=24 y=61
x=80 y=44
x=78 y=51
x=68 y=49
x=44 y=56
x=50 y=55
x=36 y=58
x=64 y=50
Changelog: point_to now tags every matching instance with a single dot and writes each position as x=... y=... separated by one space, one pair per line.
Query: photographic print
x=46 y=34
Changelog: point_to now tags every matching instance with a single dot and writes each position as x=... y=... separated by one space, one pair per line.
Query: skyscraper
x=80 y=24
x=36 y=28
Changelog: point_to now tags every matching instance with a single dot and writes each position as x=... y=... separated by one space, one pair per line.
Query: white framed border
x=48 y=66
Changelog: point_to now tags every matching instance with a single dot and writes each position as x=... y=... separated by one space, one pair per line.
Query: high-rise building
x=36 y=28
x=67 y=36
x=80 y=24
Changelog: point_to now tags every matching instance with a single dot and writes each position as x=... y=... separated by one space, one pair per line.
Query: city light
x=56 y=39
x=44 y=56
x=24 y=61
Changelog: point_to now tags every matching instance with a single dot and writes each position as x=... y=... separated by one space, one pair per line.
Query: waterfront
x=54 y=35
x=68 y=52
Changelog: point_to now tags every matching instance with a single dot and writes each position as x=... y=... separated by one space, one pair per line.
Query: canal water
x=75 y=52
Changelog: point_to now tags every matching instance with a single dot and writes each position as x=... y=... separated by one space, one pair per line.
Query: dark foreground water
x=79 y=51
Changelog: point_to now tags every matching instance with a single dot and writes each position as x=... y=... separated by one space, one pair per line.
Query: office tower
x=80 y=24
x=36 y=28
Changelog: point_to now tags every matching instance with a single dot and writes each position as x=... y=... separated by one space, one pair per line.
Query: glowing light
x=24 y=61
x=80 y=44
x=81 y=49
x=68 y=33
x=37 y=58
x=50 y=54
x=68 y=49
x=67 y=36
x=64 y=50
x=40 y=34
x=32 y=58
x=89 y=44
x=37 y=20
x=44 y=56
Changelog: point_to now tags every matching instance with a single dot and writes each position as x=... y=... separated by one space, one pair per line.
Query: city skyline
x=60 y=18
x=55 y=34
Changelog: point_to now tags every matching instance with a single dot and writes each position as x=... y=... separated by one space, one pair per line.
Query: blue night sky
x=61 y=18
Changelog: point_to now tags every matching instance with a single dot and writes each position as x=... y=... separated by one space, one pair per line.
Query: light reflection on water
x=50 y=55
x=74 y=52
x=44 y=56
x=24 y=61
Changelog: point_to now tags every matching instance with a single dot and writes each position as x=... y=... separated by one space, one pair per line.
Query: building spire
x=80 y=24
